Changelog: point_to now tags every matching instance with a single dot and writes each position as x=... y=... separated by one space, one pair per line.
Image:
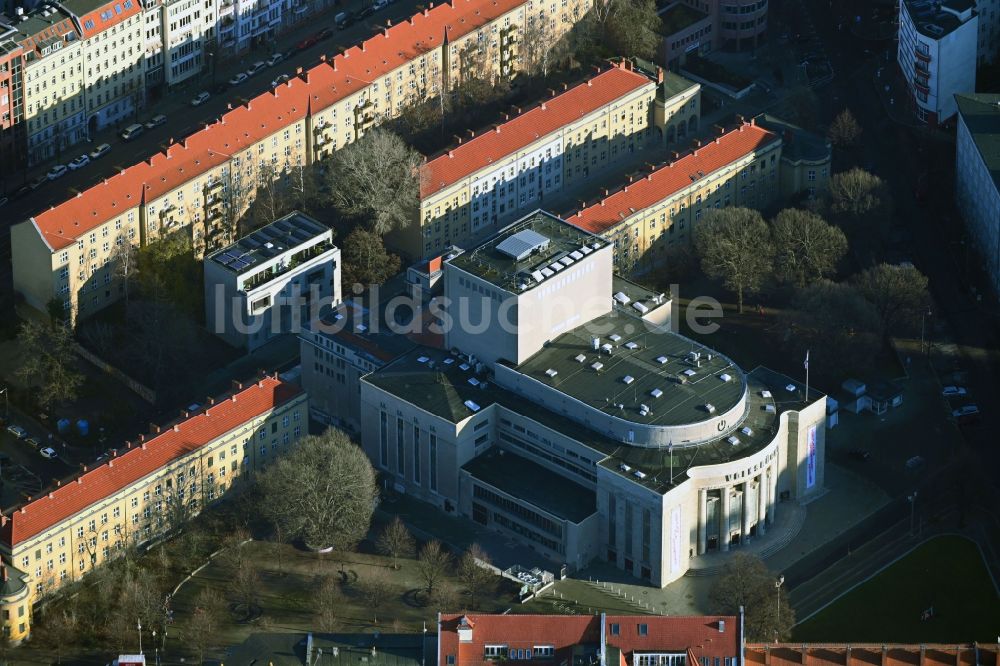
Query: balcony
x=922 y=87
x=293 y=262
x=213 y=185
x=926 y=57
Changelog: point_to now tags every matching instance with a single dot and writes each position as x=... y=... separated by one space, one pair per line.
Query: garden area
x=939 y=593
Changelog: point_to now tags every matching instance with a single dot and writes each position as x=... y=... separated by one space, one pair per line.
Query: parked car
x=132 y=131
x=379 y=5
x=860 y=454
x=37 y=182
x=343 y=19
x=22 y=191
x=58 y=171
x=916 y=462
x=32 y=442
x=275 y=59
x=100 y=151
x=325 y=33
x=306 y=43
x=256 y=67
x=17 y=431
x=365 y=13
x=79 y=162
x=965 y=410
x=238 y=78
x=220 y=88
x=3 y=201
x=156 y=121
x=49 y=452
x=952 y=391
x=200 y=98
x=279 y=79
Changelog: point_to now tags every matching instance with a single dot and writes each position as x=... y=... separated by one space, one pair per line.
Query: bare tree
x=807 y=248
x=860 y=200
x=48 y=362
x=375 y=588
x=376 y=178
x=244 y=587
x=365 y=259
x=125 y=257
x=201 y=631
x=539 y=45
x=395 y=541
x=734 y=245
x=844 y=130
x=323 y=492
x=898 y=294
x=746 y=583
x=474 y=574
x=445 y=597
x=327 y=601
x=432 y=565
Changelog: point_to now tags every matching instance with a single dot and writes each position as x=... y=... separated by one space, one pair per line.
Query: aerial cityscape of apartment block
x=571 y=332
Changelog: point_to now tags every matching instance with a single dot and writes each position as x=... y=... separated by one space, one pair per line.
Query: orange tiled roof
x=870 y=654
x=115 y=12
x=672 y=178
x=481 y=151
x=700 y=636
x=141 y=460
x=321 y=86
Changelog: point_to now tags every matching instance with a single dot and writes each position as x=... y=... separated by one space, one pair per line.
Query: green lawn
x=946 y=573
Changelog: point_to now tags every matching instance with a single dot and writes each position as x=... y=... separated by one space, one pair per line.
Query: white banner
x=811 y=458
x=675 y=539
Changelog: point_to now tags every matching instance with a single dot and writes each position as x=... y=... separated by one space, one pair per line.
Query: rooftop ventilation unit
x=464 y=366
x=765 y=394
x=473 y=381
x=576 y=254
x=631 y=345
x=628 y=379
x=662 y=359
x=640 y=475
x=422 y=359
x=614 y=337
x=567 y=261
x=769 y=408
x=790 y=388
x=551 y=372
x=548 y=272
x=522 y=244
x=585 y=250
x=625 y=468
x=597 y=365
x=622 y=298
x=710 y=408
x=656 y=393
x=725 y=377
x=733 y=440
x=448 y=361
x=556 y=266
x=537 y=276
x=607 y=347
x=472 y=406
x=689 y=372
x=596 y=342
x=640 y=307
x=746 y=430
x=579 y=358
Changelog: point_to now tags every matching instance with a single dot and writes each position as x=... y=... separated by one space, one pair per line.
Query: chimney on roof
x=719 y=129
x=177 y=428
x=753 y=121
x=740 y=119
x=847 y=656
x=543 y=105
x=885 y=655
x=604 y=191
x=153 y=428
x=298 y=71
x=185 y=413
x=697 y=143
x=58 y=483
x=923 y=655
x=674 y=155
x=233 y=398
x=322 y=57
x=498 y=129
x=237 y=385
x=143 y=446
x=211 y=401
x=590 y=83
x=651 y=167
x=552 y=93
x=3 y=520
x=659 y=75
x=565 y=86
x=471 y=133
x=630 y=178
x=451 y=153
x=457 y=139
x=3 y=568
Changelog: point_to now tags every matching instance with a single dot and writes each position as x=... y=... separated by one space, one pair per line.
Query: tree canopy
x=323 y=491
x=807 y=248
x=899 y=295
x=377 y=179
x=835 y=322
x=745 y=582
x=366 y=261
x=860 y=200
x=48 y=362
x=734 y=245
x=844 y=131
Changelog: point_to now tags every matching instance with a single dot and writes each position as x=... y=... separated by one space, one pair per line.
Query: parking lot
x=24 y=471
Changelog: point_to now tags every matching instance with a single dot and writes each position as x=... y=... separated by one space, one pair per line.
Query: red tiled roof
x=672 y=178
x=481 y=151
x=141 y=460
x=318 y=88
x=700 y=636
x=870 y=654
x=118 y=11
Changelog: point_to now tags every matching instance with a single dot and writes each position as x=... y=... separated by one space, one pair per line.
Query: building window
x=643 y=629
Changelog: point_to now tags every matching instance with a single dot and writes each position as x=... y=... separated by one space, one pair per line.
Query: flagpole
x=670 y=448
x=807 y=375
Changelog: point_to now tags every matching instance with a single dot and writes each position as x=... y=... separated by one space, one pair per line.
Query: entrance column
x=762 y=503
x=772 y=478
x=745 y=508
x=724 y=520
x=702 y=520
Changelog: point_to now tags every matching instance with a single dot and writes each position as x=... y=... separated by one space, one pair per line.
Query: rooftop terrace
x=636 y=365
x=275 y=239
x=492 y=261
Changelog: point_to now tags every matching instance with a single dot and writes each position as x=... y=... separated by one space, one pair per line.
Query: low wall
x=140 y=389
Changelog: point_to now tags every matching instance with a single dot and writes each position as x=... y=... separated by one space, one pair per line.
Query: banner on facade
x=675 y=539
x=811 y=458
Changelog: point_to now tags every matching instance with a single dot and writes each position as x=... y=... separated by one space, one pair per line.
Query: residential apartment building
x=55 y=110
x=113 y=48
x=977 y=176
x=153 y=56
x=142 y=492
x=188 y=30
x=146 y=490
x=937 y=54
x=11 y=96
x=271 y=282
x=487 y=181
x=200 y=185
x=586 y=428
x=754 y=164
x=702 y=26
x=608 y=640
x=246 y=24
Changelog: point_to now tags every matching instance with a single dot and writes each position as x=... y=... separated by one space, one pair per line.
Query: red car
x=308 y=42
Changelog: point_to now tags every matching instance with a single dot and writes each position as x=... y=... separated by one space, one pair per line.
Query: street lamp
x=777 y=603
x=913 y=506
x=6 y=403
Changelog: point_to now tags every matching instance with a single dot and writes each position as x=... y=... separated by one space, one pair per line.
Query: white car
x=132 y=131
x=17 y=431
x=156 y=121
x=965 y=411
x=279 y=79
x=58 y=171
x=48 y=452
x=275 y=59
x=238 y=78
x=200 y=98
x=256 y=67
x=380 y=4
x=79 y=162
x=952 y=391
x=100 y=151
